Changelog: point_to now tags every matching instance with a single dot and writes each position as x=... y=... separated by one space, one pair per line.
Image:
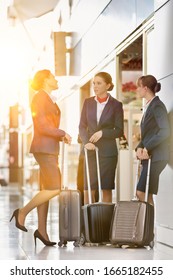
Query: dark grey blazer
x=46 y=120
x=111 y=123
x=155 y=131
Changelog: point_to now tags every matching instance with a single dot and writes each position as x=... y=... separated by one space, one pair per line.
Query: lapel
x=50 y=106
x=144 y=119
x=147 y=115
x=149 y=109
x=49 y=101
x=92 y=109
x=105 y=113
x=47 y=97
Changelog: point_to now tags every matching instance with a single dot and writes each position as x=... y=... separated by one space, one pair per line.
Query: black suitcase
x=70 y=207
x=133 y=221
x=97 y=216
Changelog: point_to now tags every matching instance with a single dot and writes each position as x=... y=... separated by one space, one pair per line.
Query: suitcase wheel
x=82 y=239
x=61 y=243
x=151 y=244
x=76 y=243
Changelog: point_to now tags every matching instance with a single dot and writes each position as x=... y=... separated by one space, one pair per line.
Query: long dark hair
x=107 y=78
x=150 y=82
x=39 y=78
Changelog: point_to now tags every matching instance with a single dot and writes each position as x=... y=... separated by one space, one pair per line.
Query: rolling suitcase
x=133 y=221
x=69 y=212
x=97 y=216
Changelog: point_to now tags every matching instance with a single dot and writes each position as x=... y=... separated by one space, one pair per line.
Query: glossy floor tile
x=18 y=245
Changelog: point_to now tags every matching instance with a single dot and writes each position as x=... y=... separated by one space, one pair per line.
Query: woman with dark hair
x=155 y=132
x=101 y=123
x=45 y=148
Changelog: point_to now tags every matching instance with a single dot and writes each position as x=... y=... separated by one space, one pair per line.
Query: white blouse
x=100 y=107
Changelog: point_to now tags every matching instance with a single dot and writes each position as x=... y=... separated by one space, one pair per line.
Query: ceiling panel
x=27 y=9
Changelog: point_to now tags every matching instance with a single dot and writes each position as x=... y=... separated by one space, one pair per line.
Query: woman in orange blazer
x=45 y=148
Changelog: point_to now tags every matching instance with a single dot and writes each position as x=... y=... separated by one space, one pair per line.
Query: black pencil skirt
x=49 y=171
x=107 y=172
x=156 y=169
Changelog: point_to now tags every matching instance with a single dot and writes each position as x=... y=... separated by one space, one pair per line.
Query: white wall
x=164 y=72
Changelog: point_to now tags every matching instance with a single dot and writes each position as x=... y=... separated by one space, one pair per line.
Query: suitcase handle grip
x=88 y=175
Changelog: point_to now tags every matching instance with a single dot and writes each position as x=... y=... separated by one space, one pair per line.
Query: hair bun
x=111 y=87
x=157 y=87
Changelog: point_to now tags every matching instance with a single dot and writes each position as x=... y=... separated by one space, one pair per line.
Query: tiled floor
x=18 y=245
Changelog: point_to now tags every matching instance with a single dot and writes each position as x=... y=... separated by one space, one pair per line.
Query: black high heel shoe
x=45 y=242
x=16 y=214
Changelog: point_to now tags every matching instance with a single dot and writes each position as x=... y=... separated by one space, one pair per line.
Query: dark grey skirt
x=156 y=169
x=107 y=172
x=50 y=175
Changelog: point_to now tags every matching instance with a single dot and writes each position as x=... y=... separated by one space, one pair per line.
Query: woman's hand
x=96 y=136
x=90 y=146
x=67 y=138
x=142 y=153
x=139 y=153
x=145 y=154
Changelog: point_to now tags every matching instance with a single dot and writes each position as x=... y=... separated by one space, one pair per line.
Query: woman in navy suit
x=101 y=123
x=45 y=148
x=155 y=133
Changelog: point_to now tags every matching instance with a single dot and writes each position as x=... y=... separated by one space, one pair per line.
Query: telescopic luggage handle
x=88 y=174
x=147 y=179
x=62 y=164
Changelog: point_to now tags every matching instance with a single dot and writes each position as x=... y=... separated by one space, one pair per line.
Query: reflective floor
x=18 y=245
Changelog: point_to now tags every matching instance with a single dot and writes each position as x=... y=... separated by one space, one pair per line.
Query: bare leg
x=42 y=211
x=40 y=198
x=86 y=199
x=107 y=195
x=150 y=199
x=141 y=197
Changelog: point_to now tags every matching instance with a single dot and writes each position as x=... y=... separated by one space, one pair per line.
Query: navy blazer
x=155 y=131
x=46 y=120
x=111 y=123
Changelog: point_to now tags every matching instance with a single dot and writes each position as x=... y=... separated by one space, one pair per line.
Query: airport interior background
x=76 y=39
